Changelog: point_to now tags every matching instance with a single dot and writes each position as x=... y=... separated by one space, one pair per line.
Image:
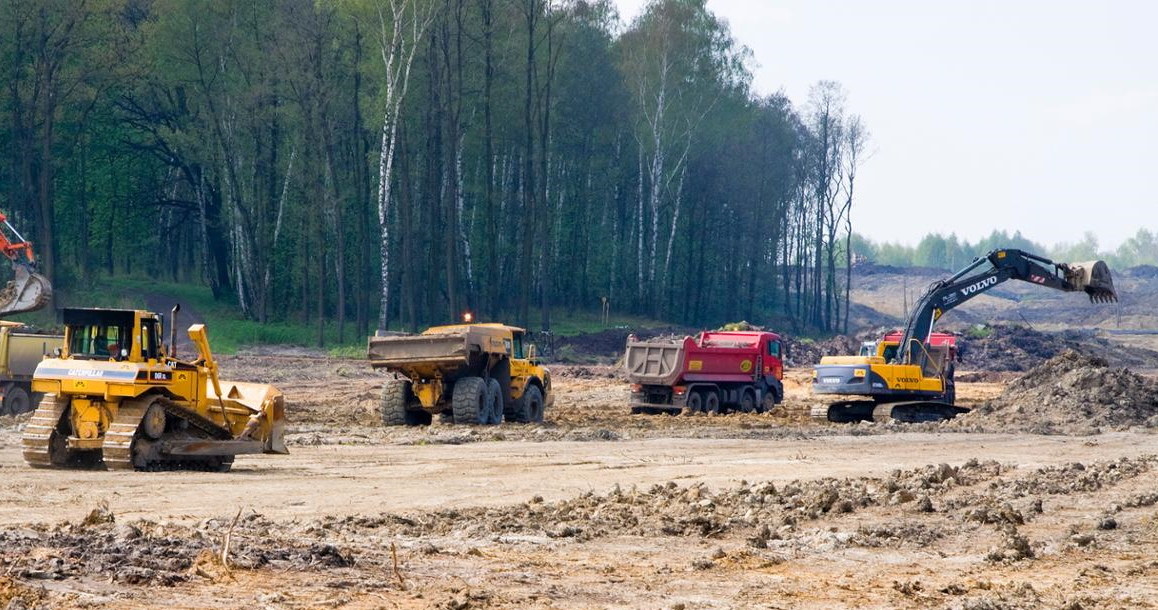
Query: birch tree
x=678 y=59
x=402 y=24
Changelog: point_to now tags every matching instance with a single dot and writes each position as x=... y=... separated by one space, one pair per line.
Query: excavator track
x=913 y=411
x=42 y=444
x=916 y=411
x=126 y=449
x=844 y=412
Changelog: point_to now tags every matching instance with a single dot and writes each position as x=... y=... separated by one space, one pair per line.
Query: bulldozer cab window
x=99 y=340
x=150 y=345
x=98 y=333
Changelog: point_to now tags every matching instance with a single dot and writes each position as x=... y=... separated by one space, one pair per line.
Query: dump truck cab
x=114 y=395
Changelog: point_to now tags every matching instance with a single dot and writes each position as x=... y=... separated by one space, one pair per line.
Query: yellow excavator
x=28 y=290
x=113 y=395
x=911 y=380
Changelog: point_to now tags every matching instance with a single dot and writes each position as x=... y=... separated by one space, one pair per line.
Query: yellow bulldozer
x=114 y=395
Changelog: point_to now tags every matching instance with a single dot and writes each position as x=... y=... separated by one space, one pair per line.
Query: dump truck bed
x=440 y=345
x=21 y=352
x=731 y=356
x=400 y=351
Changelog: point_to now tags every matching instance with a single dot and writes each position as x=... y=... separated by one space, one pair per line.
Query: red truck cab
x=712 y=372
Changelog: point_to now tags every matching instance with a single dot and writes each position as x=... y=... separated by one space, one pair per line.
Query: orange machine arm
x=13 y=250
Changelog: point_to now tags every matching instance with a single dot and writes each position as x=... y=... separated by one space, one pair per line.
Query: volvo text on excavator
x=28 y=290
x=912 y=379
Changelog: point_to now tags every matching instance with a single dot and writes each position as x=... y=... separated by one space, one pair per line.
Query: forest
x=951 y=253
x=382 y=164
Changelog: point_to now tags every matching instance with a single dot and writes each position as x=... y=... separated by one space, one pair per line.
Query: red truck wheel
x=695 y=402
x=748 y=402
x=712 y=403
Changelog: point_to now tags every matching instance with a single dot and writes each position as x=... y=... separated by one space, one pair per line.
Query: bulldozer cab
x=117 y=334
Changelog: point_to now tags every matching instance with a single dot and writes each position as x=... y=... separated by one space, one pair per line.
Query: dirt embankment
x=977 y=535
x=1072 y=393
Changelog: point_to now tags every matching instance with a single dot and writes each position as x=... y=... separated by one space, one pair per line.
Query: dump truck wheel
x=533 y=398
x=695 y=403
x=712 y=403
x=495 y=402
x=529 y=406
x=748 y=402
x=16 y=401
x=768 y=405
x=470 y=400
x=395 y=395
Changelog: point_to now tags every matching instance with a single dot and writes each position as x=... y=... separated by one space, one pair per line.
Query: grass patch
x=229 y=331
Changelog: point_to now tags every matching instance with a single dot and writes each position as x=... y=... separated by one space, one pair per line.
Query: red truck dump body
x=740 y=369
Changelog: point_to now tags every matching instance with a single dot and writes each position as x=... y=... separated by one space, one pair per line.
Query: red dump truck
x=710 y=373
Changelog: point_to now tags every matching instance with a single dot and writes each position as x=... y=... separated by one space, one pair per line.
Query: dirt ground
x=597 y=508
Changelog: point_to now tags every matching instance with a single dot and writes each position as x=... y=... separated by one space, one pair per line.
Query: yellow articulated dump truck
x=475 y=373
x=113 y=395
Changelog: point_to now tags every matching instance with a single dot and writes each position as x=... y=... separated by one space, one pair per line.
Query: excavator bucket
x=1094 y=278
x=27 y=291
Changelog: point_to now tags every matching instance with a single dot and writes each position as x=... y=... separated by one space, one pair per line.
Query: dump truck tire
x=395 y=397
x=494 y=402
x=695 y=403
x=711 y=402
x=748 y=402
x=768 y=404
x=529 y=406
x=470 y=400
x=16 y=401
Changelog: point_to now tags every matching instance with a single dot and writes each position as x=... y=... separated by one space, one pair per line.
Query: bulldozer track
x=121 y=440
x=118 y=443
x=37 y=439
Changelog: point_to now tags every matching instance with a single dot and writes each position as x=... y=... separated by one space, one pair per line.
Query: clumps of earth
x=916 y=508
x=1072 y=393
x=144 y=552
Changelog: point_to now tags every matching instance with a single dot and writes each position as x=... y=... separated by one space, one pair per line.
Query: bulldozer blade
x=27 y=291
x=1095 y=279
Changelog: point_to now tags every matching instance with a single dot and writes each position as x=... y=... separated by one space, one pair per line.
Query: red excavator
x=28 y=290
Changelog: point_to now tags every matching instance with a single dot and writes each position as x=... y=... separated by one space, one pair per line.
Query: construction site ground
x=599 y=508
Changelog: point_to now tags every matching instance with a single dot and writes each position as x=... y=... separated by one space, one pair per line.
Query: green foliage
x=937 y=251
x=547 y=156
x=979 y=331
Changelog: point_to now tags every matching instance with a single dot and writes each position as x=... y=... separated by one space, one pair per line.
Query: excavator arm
x=985 y=272
x=28 y=290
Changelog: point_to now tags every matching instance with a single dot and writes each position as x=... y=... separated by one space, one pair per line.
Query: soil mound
x=604 y=346
x=1072 y=393
x=803 y=352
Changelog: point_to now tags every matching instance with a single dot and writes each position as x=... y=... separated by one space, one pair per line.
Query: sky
x=1031 y=116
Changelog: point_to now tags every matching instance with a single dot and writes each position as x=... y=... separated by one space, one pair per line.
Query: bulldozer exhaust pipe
x=173 y=332
x=1094 y=278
